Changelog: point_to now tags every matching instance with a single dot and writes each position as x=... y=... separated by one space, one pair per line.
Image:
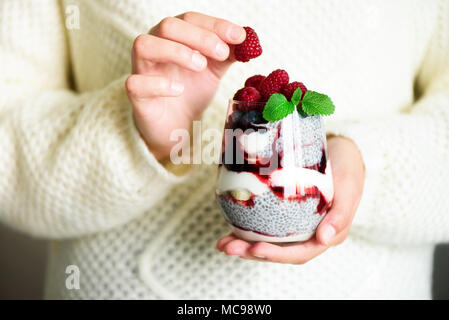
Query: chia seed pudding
x=275 y=181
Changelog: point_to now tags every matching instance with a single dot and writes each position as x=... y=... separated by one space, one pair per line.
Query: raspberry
x=290 y=88
x=254 y=81
x=274 y=83
x=247 y=94
x=248 y=49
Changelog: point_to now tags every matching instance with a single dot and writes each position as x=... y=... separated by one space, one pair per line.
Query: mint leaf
x=277 y=108
x=315 y=103
x=296 y=97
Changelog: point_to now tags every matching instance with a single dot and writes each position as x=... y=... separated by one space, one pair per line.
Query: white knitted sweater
x=74 y=169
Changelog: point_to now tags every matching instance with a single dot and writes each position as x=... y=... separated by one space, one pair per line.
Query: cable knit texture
x=74 y=169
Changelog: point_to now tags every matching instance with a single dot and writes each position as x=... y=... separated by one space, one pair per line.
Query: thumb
x=335 y=226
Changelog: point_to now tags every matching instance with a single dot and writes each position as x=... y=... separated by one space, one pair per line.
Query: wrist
x=159 y=152
x=350 y=147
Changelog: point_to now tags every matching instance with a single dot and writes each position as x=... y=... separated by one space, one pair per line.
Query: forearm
x=405 y=198
x=74 y=164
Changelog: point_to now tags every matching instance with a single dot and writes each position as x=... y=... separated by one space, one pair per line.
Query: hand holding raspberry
x=176 y=70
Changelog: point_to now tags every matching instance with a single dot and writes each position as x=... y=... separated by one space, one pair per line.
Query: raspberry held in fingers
x=250 y=48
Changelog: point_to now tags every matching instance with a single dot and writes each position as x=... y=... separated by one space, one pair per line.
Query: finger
x=151 y=49
x=341 y=237
x=339 y=218
x=231 y=245
x=236 y=247
x=298 y=253
x=142 y=87
x=202 y=40
x=226 y=30
x=225 y=240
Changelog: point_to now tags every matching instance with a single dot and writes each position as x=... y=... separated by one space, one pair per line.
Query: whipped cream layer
x=256 y=142
x=291 y=178
x=230 y=180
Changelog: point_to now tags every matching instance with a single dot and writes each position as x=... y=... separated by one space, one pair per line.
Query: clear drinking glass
x=274 y=181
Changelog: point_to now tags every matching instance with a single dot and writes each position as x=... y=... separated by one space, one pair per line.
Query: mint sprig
x=315 y=103
x=277 y=108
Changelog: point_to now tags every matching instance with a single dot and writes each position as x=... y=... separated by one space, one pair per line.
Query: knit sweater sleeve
x=70 y=164
x=406 y=198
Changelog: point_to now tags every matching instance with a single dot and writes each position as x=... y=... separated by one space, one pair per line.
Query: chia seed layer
x=273 y=216
x=312 y=141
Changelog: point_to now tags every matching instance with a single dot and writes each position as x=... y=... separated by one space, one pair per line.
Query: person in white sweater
x=84 y=144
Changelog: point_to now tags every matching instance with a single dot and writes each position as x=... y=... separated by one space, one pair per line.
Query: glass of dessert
x=275 y=181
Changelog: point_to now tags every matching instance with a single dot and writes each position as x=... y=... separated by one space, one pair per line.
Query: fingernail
x=235 y=33
x=258 y=256
x=327 y=234
x=177 y=87
x=199 y=61
x=221 y=49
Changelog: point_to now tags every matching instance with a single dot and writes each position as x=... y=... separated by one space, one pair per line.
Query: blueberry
x=253 y=117
x=233 y=119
